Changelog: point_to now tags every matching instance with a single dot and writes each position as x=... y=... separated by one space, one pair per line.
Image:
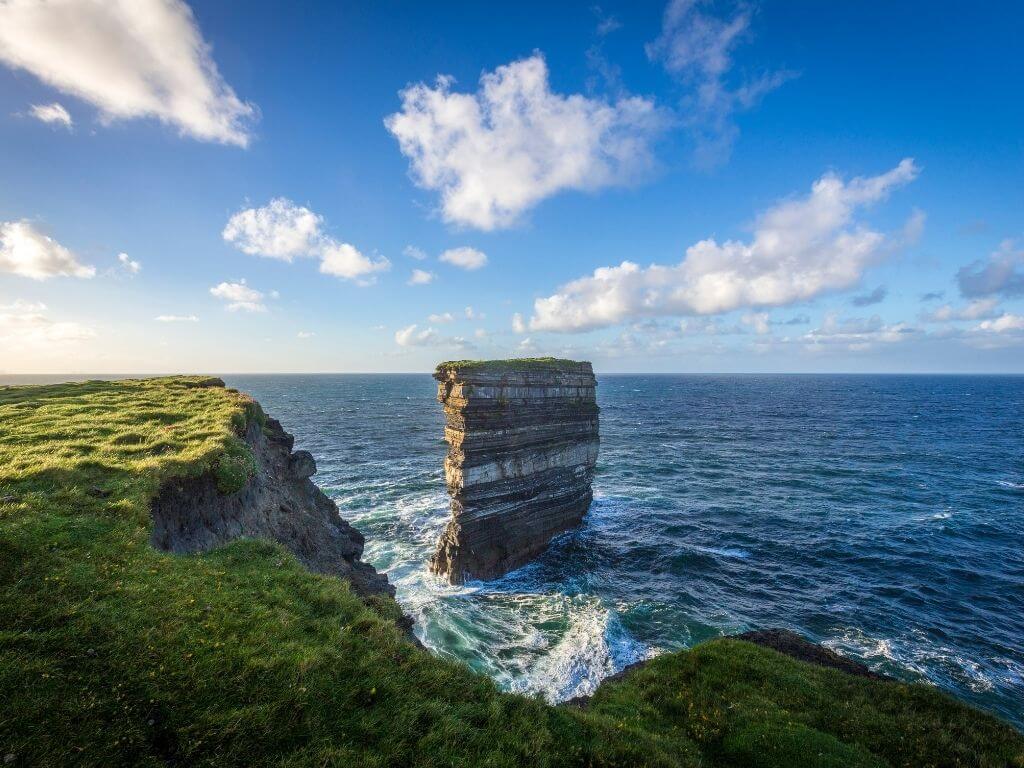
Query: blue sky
x=785 y=182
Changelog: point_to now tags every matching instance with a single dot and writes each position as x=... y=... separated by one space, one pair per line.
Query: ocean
x=880 y=515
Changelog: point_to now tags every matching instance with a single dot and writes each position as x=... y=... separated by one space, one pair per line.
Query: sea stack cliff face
x=523 y=443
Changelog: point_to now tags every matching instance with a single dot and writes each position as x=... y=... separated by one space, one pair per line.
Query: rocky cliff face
x=523 y=442
x=278 y=502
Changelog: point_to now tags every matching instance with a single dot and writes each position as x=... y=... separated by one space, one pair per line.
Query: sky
x=657 y=187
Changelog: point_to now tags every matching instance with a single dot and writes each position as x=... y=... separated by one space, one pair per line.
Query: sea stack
x=522 y=445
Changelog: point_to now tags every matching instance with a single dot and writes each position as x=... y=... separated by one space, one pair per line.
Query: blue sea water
x=880 y=515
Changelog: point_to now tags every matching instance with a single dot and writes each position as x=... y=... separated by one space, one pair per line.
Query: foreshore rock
x=523 y=443
x=279 y=502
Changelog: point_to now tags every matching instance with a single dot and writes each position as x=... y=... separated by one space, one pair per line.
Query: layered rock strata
x=523 y=443
x=278 y=502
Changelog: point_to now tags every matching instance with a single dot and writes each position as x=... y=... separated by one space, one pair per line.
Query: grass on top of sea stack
x=112 y=653
x=515 y=363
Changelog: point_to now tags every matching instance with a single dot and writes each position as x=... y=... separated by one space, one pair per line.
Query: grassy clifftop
x=112 y=653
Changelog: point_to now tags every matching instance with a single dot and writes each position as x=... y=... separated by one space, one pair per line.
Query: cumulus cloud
x=472 y=314
x=129 y=265
x=283 y=230
x=26 y=324
x=421 y=277
x=464 y=258
x=697 y=48
x=496 y=153
x=130 y=59
x=414 y=253
x=876 y=296
x=279 y=230
x=346 y=261
x=239 y=296
x=518 y=324
x=54 y=113
x=176 y=319
x=442 y=317
x=26 y=251
x=1001 y=275
x=801 y=248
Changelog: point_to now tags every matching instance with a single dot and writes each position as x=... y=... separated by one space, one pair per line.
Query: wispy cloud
x=54 y=114
x=176 y=319
x=144 y=58
x=240 y=296
x=26 y=251
x=697 y=48
x=128 y=264
x=421 y=277
x=464 y=258
x=26 y=324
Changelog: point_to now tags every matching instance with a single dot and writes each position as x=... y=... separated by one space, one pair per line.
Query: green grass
x=537 y=363
x=112 y=653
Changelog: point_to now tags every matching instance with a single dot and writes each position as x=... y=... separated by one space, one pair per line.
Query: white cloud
x=305 y=335
x=858 y=334
x=412 y=337
x=26 y=251
x=759 y=321
x=176 y=319
x=240 y=296
x=518 y=326
x=283 y=230
x=496 y=153
x=480 y=333
x=421 y=277
x=472 y=314
x=279 y=230
x=801 y=248
x=25 y=325
x=979 y=309
x=1005 y=323
x=346 y=261
x=51 y=113
x=697 y=47
x=1002 y=275
x=414 y=253
x=130 y=59
x=443 y=317
x=464 y=258
x=129 y=266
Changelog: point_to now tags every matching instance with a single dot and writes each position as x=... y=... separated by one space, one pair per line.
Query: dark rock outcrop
x=279 y=502
x=523 y=442
x=791 y=644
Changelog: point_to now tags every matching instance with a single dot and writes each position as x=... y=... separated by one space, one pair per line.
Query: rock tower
x=523 y=442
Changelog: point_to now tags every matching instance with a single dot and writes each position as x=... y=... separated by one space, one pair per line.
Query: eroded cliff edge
x=277 y=501
x=523 y=443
